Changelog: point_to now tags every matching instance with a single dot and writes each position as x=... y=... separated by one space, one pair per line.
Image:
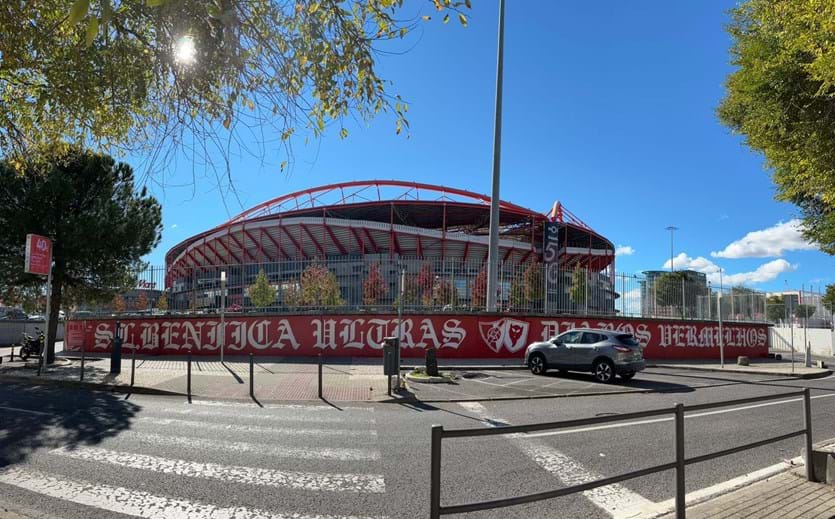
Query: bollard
x=251 y=376
x=11 y=357
x=680 y=461
x=320 y=377
x=132 y=365
x=807 y=426
x=188 y=376
x=81 y=375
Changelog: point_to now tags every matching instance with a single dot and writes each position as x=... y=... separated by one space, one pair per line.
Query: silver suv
x=603 y=352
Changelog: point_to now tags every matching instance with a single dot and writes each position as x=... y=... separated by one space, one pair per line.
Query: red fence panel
x=359 y=335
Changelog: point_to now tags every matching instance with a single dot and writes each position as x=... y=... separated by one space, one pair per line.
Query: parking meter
x=116 y=352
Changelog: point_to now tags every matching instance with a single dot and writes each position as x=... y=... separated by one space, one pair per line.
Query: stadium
x=437 y=236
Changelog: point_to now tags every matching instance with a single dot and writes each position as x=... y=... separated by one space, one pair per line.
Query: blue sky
x=609 y=107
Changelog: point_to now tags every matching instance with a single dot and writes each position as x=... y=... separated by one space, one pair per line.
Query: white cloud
x=774 y=241
x=174 y=226
x=765 y=272
x=624 y=250
x=629 y=302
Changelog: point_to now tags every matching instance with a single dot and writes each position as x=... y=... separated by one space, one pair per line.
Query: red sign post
x=39 y=261
x=38 y=254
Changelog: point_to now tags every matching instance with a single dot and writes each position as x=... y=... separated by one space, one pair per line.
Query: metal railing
x=439 y=434
x=372 y=284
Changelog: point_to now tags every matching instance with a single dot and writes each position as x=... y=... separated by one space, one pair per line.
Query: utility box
x=390 y=356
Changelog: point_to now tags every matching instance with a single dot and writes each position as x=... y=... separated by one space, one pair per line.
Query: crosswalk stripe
x=319 y=408
x=362 y=483
x=297 y=415
x=262 y=449
x=135 y=502
x=616 y=499
x=259 y=428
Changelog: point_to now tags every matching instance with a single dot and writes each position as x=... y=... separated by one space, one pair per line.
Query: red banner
x=38 y=254
x=455 y=336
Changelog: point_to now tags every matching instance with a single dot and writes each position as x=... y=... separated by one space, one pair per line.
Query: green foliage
x=374 y=286
x=577 y=290
x=780 y=99
x=87 y=205
x=105 y=71
x=318 y=286
x=261 y=293
x=775 y=309
x=828 y=298
x=802 y=311
x=162 y=303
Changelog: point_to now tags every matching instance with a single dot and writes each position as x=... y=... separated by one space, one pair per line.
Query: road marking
x=258 y=428
x=214 y=403
x=296 y=415
x=263 y=449
x=29 y=411
x=670 y=418
x=617 y=500
x=135 y=503
x=362 y=483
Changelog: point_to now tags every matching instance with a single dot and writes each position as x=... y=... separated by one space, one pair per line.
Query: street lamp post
x=672 y=229
x=493 y=249
x=719 y=311
x=222 y=312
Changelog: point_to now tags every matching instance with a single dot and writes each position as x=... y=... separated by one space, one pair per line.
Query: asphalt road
x=72 y=453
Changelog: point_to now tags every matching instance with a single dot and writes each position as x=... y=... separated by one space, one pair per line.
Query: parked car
x=602 y=352
x=13 y=314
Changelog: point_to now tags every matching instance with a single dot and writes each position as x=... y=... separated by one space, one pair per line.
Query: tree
x=424 y=282
x=828 y=299
x=775 y=309
x=780 y=99
x=86 y=204
x=802 y=311
x=478 y=296
x=141 y=302
x=443 y=293
x=374 y=286
x=318 y=286
x=162 y=302
x=533 y=284
x=261 y=293
x=118 y=304
x=577 y=290
x=157 y=73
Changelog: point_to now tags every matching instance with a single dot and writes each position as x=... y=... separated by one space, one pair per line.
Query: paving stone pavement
x=784 y=496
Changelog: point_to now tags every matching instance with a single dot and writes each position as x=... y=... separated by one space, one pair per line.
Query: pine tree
x=162 y=303
x=577 y=292
x=261 y=293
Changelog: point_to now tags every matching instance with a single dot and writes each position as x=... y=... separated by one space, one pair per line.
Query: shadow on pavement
x=35 y=417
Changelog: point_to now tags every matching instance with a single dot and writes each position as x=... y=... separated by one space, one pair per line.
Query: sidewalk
x=786 y=495
x=275 y=378
x=758 y=366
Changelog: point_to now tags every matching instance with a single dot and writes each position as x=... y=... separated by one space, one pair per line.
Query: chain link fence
x=374 y=284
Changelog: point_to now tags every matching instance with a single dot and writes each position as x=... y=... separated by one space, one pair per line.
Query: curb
x=467 y=368
x=803 y=376
x=412 y=400
x=96 y=386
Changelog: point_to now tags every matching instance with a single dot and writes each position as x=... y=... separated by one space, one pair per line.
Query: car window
x=570 y=337
x=592 y=338
x=629 y=340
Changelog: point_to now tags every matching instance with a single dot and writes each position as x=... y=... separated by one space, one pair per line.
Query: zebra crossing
x=218 y=460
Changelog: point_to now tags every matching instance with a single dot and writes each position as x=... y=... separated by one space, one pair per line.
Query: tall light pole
x=719 y=311
x=222 y=313
x=493 y=249
x=672 y=229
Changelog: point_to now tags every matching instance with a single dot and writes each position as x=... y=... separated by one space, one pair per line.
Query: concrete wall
x=11 y=332
x=822 y=340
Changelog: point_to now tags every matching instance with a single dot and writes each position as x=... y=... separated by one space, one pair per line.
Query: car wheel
x=537 y=364
x=628 y=375
x=604 y=371
x=24 y=354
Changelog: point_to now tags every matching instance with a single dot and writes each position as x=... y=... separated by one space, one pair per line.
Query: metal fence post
x=132 y=365
x=680 y=491
x=251 y=376
x=807 y=423
x=81 y=374
x=320 y=376
x=188 y=376
x=11 y=356
x=435 y=473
